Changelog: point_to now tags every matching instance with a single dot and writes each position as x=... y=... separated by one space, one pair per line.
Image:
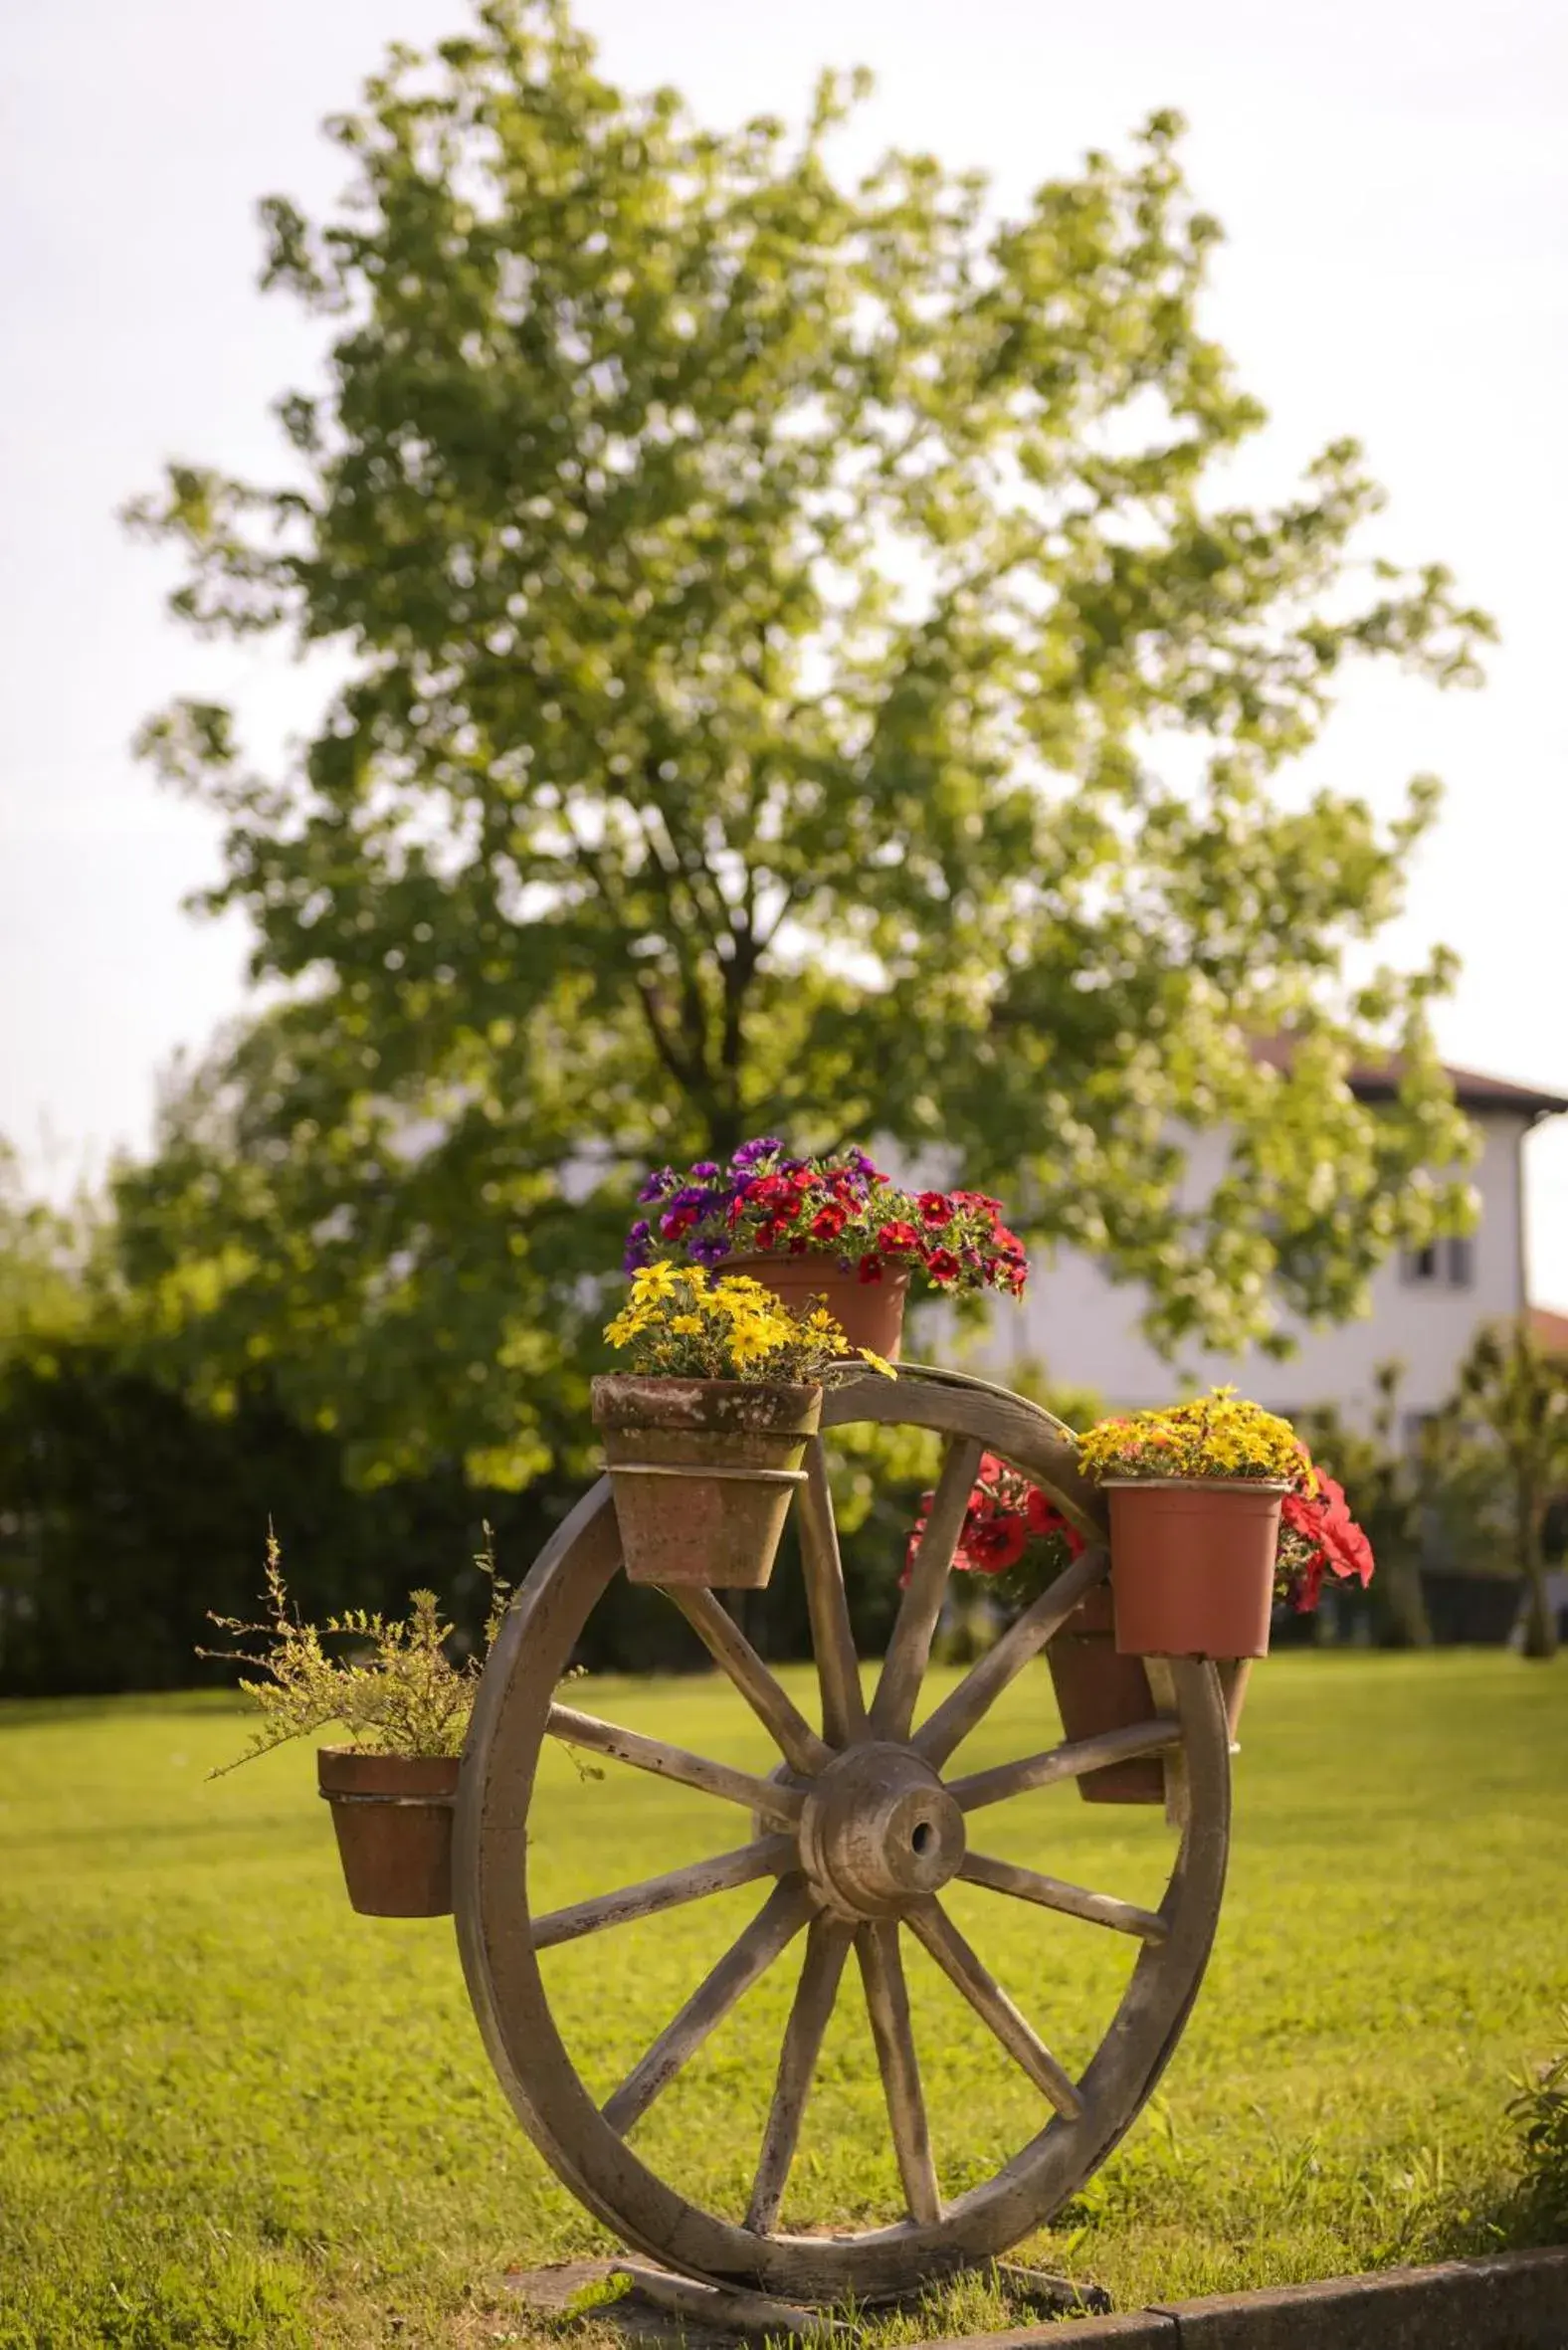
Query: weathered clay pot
x=870 y=1314
x=393 y=1818
x=703 y=1472
x=1100 y=1689
x=1192 y=1565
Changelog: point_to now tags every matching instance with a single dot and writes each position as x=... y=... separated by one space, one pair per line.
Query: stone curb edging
x=1511 y=2302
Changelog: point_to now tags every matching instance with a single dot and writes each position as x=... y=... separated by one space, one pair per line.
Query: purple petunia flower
x=767 y=1146
x=710 y=1251
x=703 y=1170
x=639 y=1249
x=656 y=1185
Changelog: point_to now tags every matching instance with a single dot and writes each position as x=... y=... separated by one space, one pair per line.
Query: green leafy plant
x=396 y=1689
x=1539 y=2112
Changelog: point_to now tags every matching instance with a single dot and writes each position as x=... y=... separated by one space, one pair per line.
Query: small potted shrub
x=1200 y=1542
x=834 y=1227
x=405 y=1707
x=1014 y=1535
x=705 y=1431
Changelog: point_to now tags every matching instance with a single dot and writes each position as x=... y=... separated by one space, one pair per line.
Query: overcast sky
x=1394 y=184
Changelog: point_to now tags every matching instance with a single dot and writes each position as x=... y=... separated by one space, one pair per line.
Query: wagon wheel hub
x=879 y=1831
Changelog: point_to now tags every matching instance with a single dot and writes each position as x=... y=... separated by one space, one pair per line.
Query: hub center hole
x=924 y=1836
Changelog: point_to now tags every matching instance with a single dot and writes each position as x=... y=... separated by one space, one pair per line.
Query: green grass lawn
x=235 y=2114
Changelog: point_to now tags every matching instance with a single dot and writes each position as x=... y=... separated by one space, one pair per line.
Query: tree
x=44 y=1259
x=801 y=675
x=1512 y=1402
x=1392 y=1491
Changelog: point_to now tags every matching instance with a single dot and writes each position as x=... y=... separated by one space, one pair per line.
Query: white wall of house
x=1084 y=1328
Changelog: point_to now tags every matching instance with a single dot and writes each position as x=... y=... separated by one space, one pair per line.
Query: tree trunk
x=1540 y=1619
x=1407 y=1602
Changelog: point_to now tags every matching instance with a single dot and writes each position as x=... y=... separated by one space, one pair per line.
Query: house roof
x=1551 y=1329
x=1379 y=1082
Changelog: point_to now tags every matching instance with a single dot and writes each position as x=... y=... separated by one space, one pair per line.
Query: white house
x=1426 y=1309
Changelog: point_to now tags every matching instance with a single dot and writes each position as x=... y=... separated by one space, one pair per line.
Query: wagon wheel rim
x=822 y=1848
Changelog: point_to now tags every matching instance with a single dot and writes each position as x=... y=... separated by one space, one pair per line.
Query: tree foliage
x=802 y=673
x=1396 y=1492
x=1511 y=1410
x=44 y=1259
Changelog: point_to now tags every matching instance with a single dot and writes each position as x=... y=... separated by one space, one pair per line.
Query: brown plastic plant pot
x=870 y=1314
x=1100 y=1689
x=392 y=1814
x=1192 y=1565
x=703 y=1472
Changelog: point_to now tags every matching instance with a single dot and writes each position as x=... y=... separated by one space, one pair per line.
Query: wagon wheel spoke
x=729 y=1647
x=984 y=1683
x=779 y=1805
x=769 y=1855
x=1055 y=1892
x=775 y=1925
x=832 y=1636
x=888 y=2003
x=931 y=1922
x=827 y=1947
x=909 y=1648
x=1070 y=1760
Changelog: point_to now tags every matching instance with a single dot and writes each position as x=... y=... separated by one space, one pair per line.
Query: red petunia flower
x=1339 y=1545
x=1345 y=1547
x=678 y=1221
x=980 y=1202
x=898 y=1238
x=996 y=1543
x=829 y=1221
x=935 y=1208
x=943 y=1267
x=1042 y=1516
x=870 y=1269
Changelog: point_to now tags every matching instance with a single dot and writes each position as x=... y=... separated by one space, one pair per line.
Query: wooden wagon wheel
x=858 y=1831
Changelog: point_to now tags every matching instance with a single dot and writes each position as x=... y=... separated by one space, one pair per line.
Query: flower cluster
x=1215 y=1436
x=683 y=1323
x=1222 y=1435
x=842 y=1206
x=1318 y=1537
x=1011 y=1529
x=1015 y=1533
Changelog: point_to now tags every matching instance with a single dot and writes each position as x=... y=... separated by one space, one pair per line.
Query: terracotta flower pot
x=704 y=1473
x=870 y=1314
x=1192 y=1565
x=1100 y=1689
x=393 y=1818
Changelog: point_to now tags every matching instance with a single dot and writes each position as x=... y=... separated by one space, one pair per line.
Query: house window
x=1440 y=1265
